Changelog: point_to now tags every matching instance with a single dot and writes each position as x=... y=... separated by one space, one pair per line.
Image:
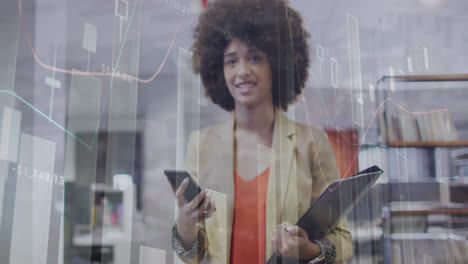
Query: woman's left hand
x=292 y=241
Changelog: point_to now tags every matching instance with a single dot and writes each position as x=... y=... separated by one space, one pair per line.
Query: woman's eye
x=230 y=62
x=255 y=58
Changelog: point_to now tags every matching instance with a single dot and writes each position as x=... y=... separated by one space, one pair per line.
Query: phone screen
x=176 y=177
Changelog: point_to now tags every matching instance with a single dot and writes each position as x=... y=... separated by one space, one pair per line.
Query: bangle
x=327 y=252
x=179 y=247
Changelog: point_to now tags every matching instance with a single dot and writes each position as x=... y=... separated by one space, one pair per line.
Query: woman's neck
x=257 y=119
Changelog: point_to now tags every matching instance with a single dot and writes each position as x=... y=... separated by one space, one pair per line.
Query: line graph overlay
x=21 y=99
x=389 y=99
x=123 y=111
x=134 y=78
x=369 y=126
x=305 y=109
x=354 y=52
x=112 y=74
x=83 y=115
x=375 y=115
x=77 y=72
x=9 y=30
x=123 y=97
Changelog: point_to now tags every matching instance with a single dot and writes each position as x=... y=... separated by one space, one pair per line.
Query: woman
x=252 y=56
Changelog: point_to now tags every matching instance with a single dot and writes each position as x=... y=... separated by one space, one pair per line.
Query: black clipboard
x=334 y=203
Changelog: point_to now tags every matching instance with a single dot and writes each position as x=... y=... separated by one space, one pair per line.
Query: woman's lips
x=245 y=87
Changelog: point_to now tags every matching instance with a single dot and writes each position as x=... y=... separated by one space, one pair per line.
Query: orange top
x=248 y=231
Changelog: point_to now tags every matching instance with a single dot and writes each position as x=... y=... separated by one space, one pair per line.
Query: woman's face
x=248 y=76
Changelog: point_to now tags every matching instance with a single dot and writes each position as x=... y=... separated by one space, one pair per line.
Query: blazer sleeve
x=191 y=166
x=324 y=171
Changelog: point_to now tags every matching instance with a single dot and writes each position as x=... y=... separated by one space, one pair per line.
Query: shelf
x=428 y=144
x=427 y=208
x=442 y=210
x=104 y=188
x=428 y=78
x=371 y=145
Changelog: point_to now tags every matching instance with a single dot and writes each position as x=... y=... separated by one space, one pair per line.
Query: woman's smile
x=246 y=87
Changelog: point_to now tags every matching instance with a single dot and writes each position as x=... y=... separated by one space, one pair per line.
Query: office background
x=91 y=113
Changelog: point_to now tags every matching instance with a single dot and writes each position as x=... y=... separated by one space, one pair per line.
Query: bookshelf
x=397 y=133
x=111 y=209
x=110 y=225
x=107 y=208
x=402 y=128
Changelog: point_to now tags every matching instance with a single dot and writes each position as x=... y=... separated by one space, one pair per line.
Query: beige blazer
x=302 y=164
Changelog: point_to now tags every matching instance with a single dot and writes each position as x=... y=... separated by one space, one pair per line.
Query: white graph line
x=53 y=83
x=334 y=72
x=391 y=72
x=410 y=64
x=426 y=58
x=354 y=53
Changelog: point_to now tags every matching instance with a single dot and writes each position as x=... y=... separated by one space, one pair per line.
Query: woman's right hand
x=189 y=215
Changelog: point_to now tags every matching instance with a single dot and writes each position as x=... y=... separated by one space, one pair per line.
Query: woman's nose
x=244 y=69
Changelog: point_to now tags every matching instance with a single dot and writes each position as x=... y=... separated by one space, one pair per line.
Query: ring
x=205 y=212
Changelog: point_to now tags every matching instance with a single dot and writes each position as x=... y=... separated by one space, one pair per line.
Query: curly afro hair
x=270 y=26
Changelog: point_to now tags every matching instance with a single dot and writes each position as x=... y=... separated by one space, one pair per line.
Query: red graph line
x=20 y=6
x=460 y=124
x=118 y=75
x=163 y=62
x=375 y=115
x=367 y=130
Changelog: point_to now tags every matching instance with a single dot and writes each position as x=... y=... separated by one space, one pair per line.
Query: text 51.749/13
x=35 y=174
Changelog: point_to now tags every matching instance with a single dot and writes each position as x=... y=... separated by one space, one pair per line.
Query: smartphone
x=176 y=177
